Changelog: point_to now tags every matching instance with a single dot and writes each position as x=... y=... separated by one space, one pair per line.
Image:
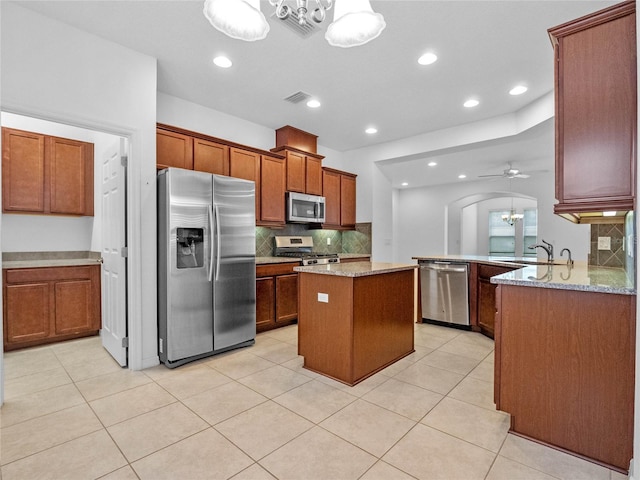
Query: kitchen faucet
x=548 y=248
x=569 y=261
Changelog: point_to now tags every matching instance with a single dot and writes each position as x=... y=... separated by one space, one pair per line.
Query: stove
x=302 y=247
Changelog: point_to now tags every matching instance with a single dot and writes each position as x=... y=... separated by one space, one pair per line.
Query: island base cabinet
x=44 y=305
x=564 y=369
x=352 y=327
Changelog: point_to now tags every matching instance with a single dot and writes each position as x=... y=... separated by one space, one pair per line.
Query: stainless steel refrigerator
x=206 y=265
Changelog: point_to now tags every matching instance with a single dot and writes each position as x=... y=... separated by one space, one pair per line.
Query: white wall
x=197 y=118
x=425 y=217
x=24 y=233
x=55 y=72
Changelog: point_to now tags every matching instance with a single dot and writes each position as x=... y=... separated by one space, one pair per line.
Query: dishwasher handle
x=444 y=267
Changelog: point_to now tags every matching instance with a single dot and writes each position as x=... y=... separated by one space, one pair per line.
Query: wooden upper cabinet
x=272 y=190
x=331 y=192
x=246 y=164
x=23 y=171
x=314 y=176
x=46 y=175
x=339 y=190
x=595 y=81
x=71 y=173
x=173 y=150
x=304 y=170
x=210 y=157
x=347 y=200
x=296 y=172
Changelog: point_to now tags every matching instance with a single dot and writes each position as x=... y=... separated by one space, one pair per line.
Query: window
x=502 y=236
x=530 y=231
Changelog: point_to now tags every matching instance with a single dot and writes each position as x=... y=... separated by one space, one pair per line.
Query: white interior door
x=114 y=275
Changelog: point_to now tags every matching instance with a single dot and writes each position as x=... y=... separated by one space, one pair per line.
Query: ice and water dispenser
x=190 y=243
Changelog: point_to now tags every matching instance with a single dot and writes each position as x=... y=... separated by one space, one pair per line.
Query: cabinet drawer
x=488 y=271
x=47 y=274
x=273 y=269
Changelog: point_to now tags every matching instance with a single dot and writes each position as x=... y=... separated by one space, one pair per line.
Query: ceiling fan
x=509 y=173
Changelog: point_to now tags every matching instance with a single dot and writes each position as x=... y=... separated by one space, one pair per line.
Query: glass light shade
x=240 y=19
x=354 y=23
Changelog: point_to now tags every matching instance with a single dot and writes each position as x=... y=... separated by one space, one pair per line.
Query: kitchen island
x=355 y=319
x=565 y=358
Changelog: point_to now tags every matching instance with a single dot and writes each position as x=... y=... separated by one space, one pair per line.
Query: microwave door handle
x=210 y=242
x=218 y=242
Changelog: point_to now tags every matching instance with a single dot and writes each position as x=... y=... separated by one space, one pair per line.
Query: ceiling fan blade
x=521 y=175
x=500 y=175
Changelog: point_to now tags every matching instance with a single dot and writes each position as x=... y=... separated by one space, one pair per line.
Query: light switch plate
x=604 y=243
x=323 y=297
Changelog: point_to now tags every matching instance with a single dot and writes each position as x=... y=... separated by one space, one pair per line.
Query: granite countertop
x=355 y=269
x=582 y=277
x=267 y=260
x=49 y=259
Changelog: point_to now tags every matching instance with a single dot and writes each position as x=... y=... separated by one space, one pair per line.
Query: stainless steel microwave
x=302 y=208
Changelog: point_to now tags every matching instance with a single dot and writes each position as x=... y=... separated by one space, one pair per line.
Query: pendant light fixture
x=512 y=217
x=240 y=19
x=354 y=21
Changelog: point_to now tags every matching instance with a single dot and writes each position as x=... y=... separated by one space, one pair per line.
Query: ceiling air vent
x=298 y=97
x=292 y=23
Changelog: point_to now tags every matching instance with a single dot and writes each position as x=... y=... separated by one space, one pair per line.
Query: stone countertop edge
x=500 y=261
x=355 y=269
x=50 y=259
x=581 y=277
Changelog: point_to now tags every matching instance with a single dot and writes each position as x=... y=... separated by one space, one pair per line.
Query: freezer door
x=184 y=248
x=234 y=286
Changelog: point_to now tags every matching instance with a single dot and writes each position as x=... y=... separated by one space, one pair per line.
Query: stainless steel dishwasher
x=444 y=292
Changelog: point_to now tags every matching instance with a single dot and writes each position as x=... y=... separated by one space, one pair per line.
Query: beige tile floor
x=255 y=413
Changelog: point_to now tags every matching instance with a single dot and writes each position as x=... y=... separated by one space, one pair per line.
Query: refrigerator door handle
x=218 y=242
x=210 y=242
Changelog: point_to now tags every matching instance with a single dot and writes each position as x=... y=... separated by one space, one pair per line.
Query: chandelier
x=512 y=217
x=354 y=21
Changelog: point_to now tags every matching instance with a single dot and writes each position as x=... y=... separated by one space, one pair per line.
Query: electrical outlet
x=604 y=243
x=328 y=240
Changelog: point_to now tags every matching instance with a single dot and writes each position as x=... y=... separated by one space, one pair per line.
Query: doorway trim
x=134 y=228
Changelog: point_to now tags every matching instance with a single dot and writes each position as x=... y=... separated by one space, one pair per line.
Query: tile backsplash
x=350 y=241
x=614 y=235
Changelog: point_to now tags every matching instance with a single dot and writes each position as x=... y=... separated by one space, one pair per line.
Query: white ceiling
x=484 y=48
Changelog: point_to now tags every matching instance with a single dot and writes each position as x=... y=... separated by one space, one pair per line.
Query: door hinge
x=124 y=160
x=124 y=252
x=125 y=342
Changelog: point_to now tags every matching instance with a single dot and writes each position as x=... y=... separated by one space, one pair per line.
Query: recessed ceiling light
x=432 y=164
x=371 y=130
x=313 y=103
x=427 y=58
x=404 y=184
x=461 y=176
x=518 y=90
x=471 y=103
x=222 y=62
x=609 y=214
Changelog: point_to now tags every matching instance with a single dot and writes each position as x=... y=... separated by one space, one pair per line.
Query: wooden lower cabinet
x=276 y=295
x=565 y=368
x=365 y=324
x=486 y=299
x=44 y=305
